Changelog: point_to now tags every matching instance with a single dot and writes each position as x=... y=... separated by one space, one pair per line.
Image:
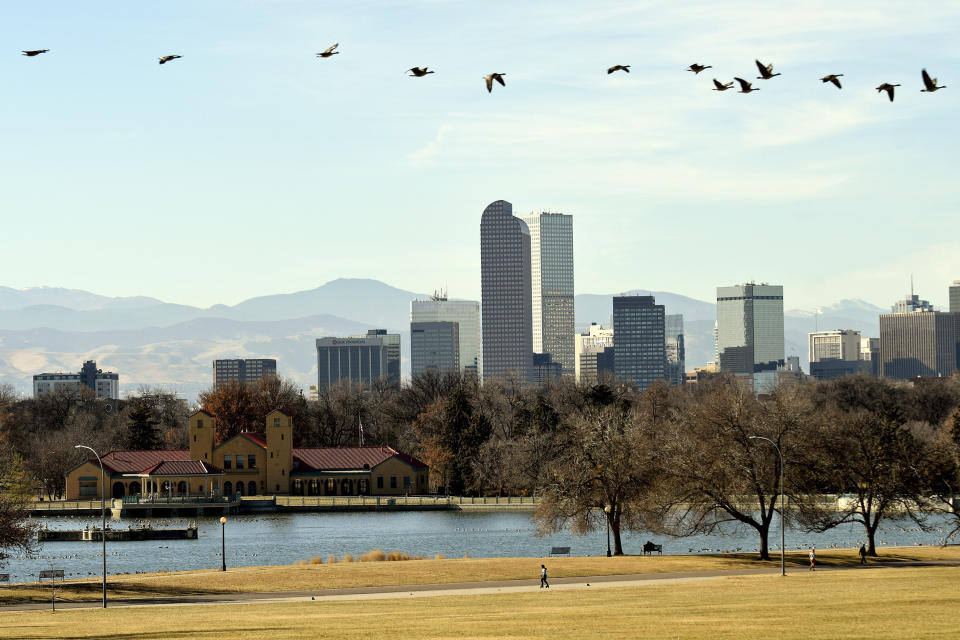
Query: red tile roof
x=182 y=468
x=136 y=461
x=256 y=438
x=343 y=458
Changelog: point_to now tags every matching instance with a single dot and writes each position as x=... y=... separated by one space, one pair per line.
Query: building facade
x=434 y=346
x=360 y=360
x=639 y=340
x=839 y=344
x=551 y=283
x=391 y=342
x=676 y=351
x=243 y=370
x=918 y=344
x=587 y=346
x=955 y=297
x=466 y=313
x=506 y=294
x=749 y=332
x=105 y=384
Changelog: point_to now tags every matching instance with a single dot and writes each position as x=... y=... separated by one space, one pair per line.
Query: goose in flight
x=619 y=67
x=766 y=71
x=419 y=72
x=721 y=86
x=166 y=59
x=35 y=52
x=745 y=87
x=494 y=76
x=834 y=78
x=697 y=68
x=329 y=51
x=886 y=86
x=930 y=84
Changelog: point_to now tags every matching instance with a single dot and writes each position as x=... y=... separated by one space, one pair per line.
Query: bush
x=347 y=557
x=377 y=555
x=332 y=559
x=395 y=556
x=316 y=560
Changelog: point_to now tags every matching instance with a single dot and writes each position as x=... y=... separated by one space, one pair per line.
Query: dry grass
x=335 y=574
x=880 y=604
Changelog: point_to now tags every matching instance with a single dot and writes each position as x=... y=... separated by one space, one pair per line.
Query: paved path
x=456 y=588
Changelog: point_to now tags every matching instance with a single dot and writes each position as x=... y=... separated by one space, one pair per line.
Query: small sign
x=51 y=573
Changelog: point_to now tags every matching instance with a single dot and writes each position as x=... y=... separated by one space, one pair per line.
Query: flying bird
x=745 y=87
x=697 y=68
x=930 y=84
x=766 y=71
x=722 y=86
x=494 y=76
x=886 y=86
x=35 y=52
x=619 y=67
x=834 y=78
x=329 y=52
x=418 y=72
x=166 y=59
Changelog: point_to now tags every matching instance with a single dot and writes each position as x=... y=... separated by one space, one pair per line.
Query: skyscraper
x=587 y=347
x=919 y=343
x=360 y=359
x=835 y=353
x=434 y=346
x=242 y=370
x=505 y=293
x=955 y=297
x=392 y=342
x=676 y=352
x=551 y=277
x=750 y=331
x=638 y=340
x=466 y=313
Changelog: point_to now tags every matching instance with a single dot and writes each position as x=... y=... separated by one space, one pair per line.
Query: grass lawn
x=882 y=603
x=365 y=574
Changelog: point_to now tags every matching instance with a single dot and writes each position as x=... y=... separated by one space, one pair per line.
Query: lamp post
x=223 y=543
x=606 y=511
x=103 y=514
x=783 y=548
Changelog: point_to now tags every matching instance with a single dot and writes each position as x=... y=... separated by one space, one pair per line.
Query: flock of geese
x=766 y=73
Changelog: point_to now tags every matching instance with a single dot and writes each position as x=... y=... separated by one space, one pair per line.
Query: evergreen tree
x=142 y=431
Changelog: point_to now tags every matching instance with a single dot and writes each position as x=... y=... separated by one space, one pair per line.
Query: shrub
x=439 y=556
x=395 y=556
x=316 y=560
x=377 y=555
x=331 y=559
x=347 y=557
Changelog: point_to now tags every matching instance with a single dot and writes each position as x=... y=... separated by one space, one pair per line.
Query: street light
x=223 y=543
x=103 y=514
x=783 y=548
x=606 y=510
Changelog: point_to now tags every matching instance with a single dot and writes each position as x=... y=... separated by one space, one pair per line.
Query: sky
x=251 y=167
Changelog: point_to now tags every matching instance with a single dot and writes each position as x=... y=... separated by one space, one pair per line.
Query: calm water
x=275 y=539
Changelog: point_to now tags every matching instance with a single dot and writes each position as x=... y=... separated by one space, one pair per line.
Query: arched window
x=133 y=489
x=181 y=487
x=251 y=488
x=228 y=488
x=240 y=488
x=118 y=491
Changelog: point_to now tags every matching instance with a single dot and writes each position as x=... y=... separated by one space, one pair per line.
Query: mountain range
x=151 y=342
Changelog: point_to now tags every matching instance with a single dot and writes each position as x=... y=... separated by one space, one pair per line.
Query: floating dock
x=129 y=534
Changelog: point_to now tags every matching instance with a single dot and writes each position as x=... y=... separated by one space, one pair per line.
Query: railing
x=162 y=499
x=65 y=505
x=399 y=501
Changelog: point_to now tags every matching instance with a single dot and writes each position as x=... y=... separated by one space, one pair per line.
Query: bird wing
x=927 y=82
x=499 y=78
x=489 y=80
x=835 y=80
x=332 y=48
x=743 y=83
x=718 y=84
x=763 y=70
x=611 y=70
x=890 y=93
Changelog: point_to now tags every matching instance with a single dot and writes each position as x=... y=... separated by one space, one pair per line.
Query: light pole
x=783 y=548
x=103 y=514
x=223 y=543
x=606 y=511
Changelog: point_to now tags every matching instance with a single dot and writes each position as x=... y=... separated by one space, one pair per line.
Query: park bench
x=649 y=548
x=559 y=551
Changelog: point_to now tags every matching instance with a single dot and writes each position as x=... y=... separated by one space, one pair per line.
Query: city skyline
x=251 y=129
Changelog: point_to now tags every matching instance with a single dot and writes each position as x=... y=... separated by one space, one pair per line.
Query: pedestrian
x=543 y=577
x=863 y=554
x=813 y=559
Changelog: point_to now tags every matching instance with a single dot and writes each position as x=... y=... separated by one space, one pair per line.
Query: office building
x=434 y=346
x=551 y=283
x=910 y=304
x=921 y=343
x=638 y=340
x=358 y=359
x=243 y=370
x=749 y=332
x=105 y=384
x=675 y=349
x=955 y=297
x=587 y=346
x=392 y=343
x=466 y=313
x=545 y=369
x=870 y=352
x=506 y=294
x=839 y=344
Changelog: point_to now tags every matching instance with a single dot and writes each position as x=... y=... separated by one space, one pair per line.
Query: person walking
x=813 y=559
x=543 y=577
x=863 y=554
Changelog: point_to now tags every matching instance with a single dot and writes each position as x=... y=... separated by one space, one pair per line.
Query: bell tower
x=279 y=430
x=203 y=430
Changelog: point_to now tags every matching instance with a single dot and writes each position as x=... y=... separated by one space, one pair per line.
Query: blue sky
x=251 y=167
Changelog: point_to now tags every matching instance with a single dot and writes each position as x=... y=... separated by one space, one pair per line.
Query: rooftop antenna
x=911 y=287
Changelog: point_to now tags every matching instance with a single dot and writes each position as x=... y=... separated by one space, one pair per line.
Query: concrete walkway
x=457 y=588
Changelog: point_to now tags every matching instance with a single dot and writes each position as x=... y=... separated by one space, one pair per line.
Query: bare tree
x=17 y=532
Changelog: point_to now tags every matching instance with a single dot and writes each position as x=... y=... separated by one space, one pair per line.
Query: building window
x=226 y=462
x=239 y=461
x=276 y=422
x=379 y=482
x=406 y=482
x=251 y=461
x=199 y=423
x=393 y=482
x=88 y=488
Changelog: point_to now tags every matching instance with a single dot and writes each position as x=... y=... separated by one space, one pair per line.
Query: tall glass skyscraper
x=466 y=313
x=505 y=293
x=638 y=340
x=955 y=297
x=675 y=349
x=750 y=331
x=551 y=278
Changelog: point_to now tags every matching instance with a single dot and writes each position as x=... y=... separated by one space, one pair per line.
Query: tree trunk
x=871 y=539
x=615 y=531
x=764 y=542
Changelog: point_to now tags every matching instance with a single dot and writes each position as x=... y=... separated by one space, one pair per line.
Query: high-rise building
x=587 y=346
x=359 y=359
x=676 y=352
x=105 y=384
x=466 y=313
x=839 y=344
x=392 y=342
x=638 y=340
x=245 y=370
x=545 y=369
x=870 y=352
x=911 y=303
x=921 y=343
x=749 y=332
x=506 y=294
x=955 y=297
x=434 y=346
x=551 y=283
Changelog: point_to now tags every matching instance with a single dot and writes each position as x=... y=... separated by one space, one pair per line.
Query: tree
x=17 y=532
x=141 y=430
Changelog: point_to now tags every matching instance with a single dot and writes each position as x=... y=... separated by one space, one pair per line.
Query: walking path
x=456 y=588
